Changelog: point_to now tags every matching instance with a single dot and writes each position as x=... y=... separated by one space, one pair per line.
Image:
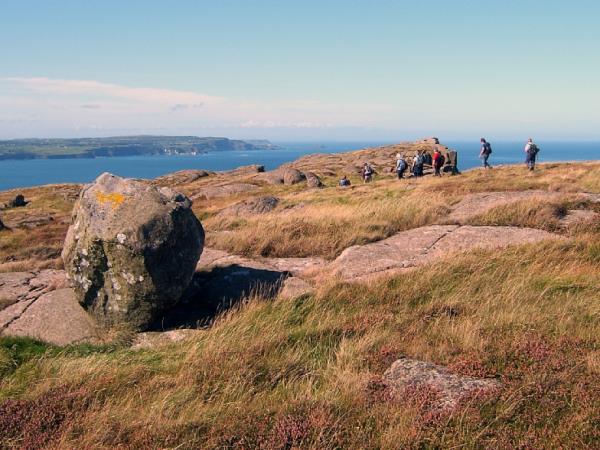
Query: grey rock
x=450 y=388
x=313 y=181
x=55 y=317
x=154 y=339
x=182 y=177
x=245 y=170
x=413 y=248
x=132 y=250
x=260 y=205
x=284 y=175
x=225 y=190
x=294 y=287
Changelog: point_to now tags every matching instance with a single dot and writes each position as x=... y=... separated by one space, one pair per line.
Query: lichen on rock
x=132 y=249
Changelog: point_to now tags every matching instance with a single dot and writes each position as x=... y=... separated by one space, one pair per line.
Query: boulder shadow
x=213 y=292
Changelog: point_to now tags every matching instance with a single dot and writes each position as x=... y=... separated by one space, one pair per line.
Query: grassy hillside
x=306 y=373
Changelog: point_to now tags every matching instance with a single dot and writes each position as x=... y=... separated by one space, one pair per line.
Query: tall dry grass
x=306 y=373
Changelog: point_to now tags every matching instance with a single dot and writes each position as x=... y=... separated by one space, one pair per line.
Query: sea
x=25 y=173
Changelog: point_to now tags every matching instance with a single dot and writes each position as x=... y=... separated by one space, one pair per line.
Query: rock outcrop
x=225 y=190
x=409 y=249
x=132 y=249
x=40 y=305
x=182 y=177
x=313 y=181
x=260 y=205
x=448 y=388
x=284 y=175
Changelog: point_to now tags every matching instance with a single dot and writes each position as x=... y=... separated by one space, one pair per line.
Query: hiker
x=438 y=161
x=400 y=166
x=418 y=164
x=531 y=151
x=344 y=182
x=367 y=173
x=484 y=154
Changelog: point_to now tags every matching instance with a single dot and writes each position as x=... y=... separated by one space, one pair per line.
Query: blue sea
x=23 y=173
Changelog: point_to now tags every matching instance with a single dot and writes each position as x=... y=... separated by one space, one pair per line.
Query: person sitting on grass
x=344 y=182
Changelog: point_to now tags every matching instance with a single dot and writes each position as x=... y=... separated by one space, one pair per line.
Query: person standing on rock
x=437 y=161
x=400 y=166
x=531 y=151
x=484 y=154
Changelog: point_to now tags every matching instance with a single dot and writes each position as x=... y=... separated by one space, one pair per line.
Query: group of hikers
x=531 y=151
x=437 y=161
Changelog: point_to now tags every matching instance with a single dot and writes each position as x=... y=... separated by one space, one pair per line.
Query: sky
x=300 y=70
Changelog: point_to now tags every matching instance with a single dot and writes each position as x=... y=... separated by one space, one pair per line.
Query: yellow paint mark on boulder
x=115 y=198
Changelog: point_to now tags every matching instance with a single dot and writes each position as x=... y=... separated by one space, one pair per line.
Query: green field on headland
x=122 y=146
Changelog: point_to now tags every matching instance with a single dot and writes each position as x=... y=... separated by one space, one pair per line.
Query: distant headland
x=123 y=146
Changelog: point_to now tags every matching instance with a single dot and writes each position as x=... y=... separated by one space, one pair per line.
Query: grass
x=325 y=222
x=306 y=373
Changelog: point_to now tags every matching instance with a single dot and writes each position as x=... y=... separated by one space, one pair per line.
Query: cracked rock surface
x=416 y=247
x=41 y=306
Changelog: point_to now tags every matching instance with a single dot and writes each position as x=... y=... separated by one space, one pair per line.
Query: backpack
x=533 y=149
x=401 y=164
x=440 y=160
x=487 y=148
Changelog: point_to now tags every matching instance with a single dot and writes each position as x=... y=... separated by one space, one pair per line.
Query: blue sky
x=307 y=70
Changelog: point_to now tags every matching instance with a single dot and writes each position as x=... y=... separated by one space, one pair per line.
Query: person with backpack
x=400 y=166
x=344 y=182
x=531 y=151
x=418 y=162
x=367 y=173
x=484 y=154
x=438 y=161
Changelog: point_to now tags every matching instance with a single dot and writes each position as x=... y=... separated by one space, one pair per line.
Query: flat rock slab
x=294 y=287
x=55 y=317
x=225 y=190
x=475 y=204
x=41 y=306
x=419 y=246
x=449 y=389
x=292 y=266
x=154 y=339
x=577 y=217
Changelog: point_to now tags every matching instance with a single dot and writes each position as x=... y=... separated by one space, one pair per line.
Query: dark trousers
x=437 y=168
x=400 y=173
x=485 y=158
x=530 y=160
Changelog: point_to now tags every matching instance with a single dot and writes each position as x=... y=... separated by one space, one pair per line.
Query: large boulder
x=292 y=176
x=312 y=180
x=132 y=249
x=284 y=175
